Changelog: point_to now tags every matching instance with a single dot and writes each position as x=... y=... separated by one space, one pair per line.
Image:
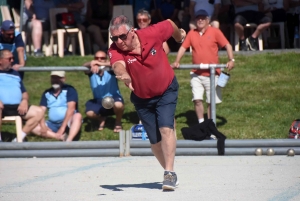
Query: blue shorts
x=56 y=126
x=95 y=105
x=157 y=112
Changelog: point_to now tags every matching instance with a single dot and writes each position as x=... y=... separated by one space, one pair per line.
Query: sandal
x=117 y=128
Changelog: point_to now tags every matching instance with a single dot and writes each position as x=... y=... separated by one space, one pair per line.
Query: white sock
x=201 y=120
x=23 y=135
x=0 y=137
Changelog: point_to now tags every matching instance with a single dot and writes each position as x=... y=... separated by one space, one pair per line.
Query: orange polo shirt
x=205 y=47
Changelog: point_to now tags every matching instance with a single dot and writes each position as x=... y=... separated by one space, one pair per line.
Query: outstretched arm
x=178 y=34
x=119 y=68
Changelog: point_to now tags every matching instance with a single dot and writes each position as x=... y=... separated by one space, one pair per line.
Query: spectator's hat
x=58 y=73
x=7 y=25
x=201 y=13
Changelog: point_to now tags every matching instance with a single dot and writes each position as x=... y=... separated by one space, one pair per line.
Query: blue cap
x=201 y=13
x=7 y=25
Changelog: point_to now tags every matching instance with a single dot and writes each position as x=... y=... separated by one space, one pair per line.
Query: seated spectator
x=36 y=20
x=250 y=12
x=75 y=6
x=143 y=19
x=186 y=16
x=138 y=5
x=98 y=15
x=103 y=83
x=14 y=97
x=61 y=100
x=11 y=39
x=167 y=9
x=292 y=20
x=225 y=17
x=276 y=9
x=210 y=6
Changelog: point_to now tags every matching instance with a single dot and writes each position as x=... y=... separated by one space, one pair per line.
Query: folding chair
x=59 y=34
x=18 y=121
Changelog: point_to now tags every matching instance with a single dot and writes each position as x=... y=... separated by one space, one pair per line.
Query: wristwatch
x=232 y=60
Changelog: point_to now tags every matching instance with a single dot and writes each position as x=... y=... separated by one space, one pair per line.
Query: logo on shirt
x=110 y=55
x=130 y=61
x=153 y=51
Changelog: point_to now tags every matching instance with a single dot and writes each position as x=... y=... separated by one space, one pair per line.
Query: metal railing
x=212 y=68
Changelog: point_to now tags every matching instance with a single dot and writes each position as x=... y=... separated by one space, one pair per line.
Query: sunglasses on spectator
x=142 y=20
x=102 y=58
x=9 y=59
x=122 y=37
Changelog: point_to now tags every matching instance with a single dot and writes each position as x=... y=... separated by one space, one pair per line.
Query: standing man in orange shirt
x=205 y=42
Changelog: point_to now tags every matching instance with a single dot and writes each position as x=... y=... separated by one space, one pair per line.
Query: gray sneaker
x=170 y=181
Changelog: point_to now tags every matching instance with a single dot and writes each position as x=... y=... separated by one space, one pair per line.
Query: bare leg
x=168 y=146
x=260 y=29
x=75 y=126
x=158 y=153
x=49 y=134
x=33 y=117
x=199 y=109
x=208 y=110
x=92 y=115
x=37 y=32
x=0 y=120
x=239 y=30
x=118 y=109
x=215 y=24
x=97 y=36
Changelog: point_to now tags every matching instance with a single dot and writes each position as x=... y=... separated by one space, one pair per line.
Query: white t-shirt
x=204 y=5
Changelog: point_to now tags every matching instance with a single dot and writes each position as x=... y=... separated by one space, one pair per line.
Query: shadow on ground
x=120 y=187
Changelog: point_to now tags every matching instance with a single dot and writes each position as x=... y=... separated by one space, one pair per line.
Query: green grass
x=260 y=101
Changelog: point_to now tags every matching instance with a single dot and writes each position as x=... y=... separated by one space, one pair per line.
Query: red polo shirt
x=150 y=72
x=205 y=48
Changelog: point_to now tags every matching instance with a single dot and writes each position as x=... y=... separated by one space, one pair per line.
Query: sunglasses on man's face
x=122 y=37
x=9 y=58
x=102 y=58
x=142 y=20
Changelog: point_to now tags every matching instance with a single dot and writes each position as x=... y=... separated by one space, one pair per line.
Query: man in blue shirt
x=61 y=100
x=103 y=83
x=14 y=97
x=11 y=39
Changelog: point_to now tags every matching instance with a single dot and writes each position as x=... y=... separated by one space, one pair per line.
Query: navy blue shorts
x=95 y=105
x=157 y=112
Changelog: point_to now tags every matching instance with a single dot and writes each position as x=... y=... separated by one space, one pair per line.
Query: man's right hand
x=126 y=79
x=175 y=65
x=95 y=66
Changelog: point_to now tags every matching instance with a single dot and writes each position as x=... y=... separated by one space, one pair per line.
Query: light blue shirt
x=105 y=85
x=11 y=87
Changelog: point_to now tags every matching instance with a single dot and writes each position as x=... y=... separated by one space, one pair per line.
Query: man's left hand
x=230 y=65
x=23 y=107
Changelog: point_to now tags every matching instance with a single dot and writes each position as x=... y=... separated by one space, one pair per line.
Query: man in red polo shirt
x=138 y=59
x=205 y=42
